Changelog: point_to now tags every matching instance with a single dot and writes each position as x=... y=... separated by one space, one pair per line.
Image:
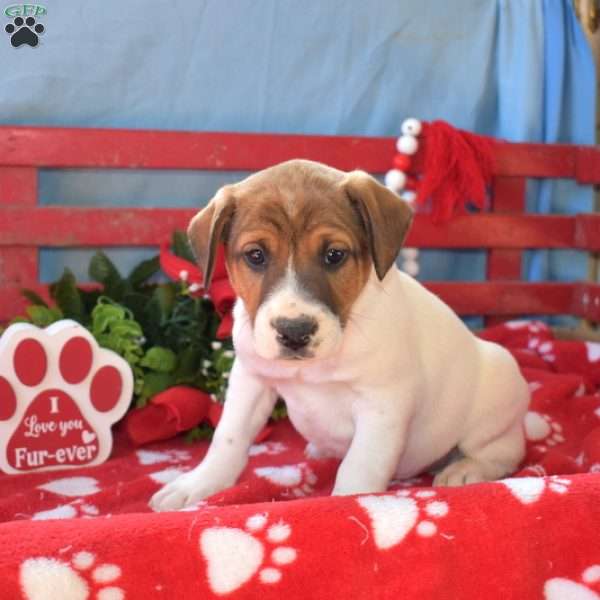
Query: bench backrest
x=504 y=232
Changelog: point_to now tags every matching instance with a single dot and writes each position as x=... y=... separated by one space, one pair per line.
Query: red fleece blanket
x=89 y=533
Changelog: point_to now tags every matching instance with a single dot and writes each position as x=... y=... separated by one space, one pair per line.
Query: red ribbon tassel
x=456 y=168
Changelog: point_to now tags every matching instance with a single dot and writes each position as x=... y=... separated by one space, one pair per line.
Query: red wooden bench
x=504 y=232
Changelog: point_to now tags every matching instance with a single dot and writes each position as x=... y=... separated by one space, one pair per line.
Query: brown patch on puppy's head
x=300 y=241
x=386 y=218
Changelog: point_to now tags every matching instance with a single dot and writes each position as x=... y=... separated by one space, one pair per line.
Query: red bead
x=402 y=162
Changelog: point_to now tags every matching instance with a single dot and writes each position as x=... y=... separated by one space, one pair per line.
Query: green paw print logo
x=25 y=28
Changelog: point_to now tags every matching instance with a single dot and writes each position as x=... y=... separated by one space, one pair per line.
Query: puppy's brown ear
x=385 y=216
x=208 y=228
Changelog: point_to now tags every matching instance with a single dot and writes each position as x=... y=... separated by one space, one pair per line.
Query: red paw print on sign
x=59 y=395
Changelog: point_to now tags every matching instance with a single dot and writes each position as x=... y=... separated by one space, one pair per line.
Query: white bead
x=411 y=127
x=409 y=253
x=395 y=180
x=409 y=196
x=407 y=144
x=411 y=267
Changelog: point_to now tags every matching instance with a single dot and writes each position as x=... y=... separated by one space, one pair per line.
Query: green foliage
x=162 y=360
x=102 y=270
x=68 y=297
x=154 y=382
x=33 y=298
x=203 y=432
x=144 y=271
x=167 y=336
x=181 y=246
x=280 y=411
x=42 y=316
x=114 y=328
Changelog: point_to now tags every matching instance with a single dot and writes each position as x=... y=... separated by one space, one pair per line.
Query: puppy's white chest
x=321 y=413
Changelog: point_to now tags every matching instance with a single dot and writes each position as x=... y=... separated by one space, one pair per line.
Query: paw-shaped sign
x=59 y=395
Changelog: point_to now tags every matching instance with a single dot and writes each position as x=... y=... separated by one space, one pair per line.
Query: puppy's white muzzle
x=291 y=325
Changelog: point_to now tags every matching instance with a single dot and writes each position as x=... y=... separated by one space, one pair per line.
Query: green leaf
x=223 y=363
x=160 y=359
x=279 y=411
x=103 y=270
x=42 y=316
x=154 y=383
x=142 y=272
x=19 y=320
x=188 y=364
x=212 y=323
x=128 y=328
x=165 y=296
x=90 y=299
x=136 y=302
x=105 y=315
x=34 y=298
x=157 y=312
x=202 y=432
x=68 y=298
x=181 y=246
x=138 y=378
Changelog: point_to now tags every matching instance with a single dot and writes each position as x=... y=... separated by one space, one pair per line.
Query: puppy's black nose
x=294 y=333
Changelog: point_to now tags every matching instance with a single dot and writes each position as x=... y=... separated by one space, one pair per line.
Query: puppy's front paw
x=186 y=490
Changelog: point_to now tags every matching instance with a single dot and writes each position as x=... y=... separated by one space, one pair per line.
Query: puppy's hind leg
x=493 y=443
x=494 y=460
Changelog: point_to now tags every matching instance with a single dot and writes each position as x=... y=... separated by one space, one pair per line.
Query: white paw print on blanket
x=299 y=480
x=152 y=457
x=166 y=475
x=560 y=588
x=530 y=489
x=270 y=448
x=77 y=508
x=73 y=487
x=45 y=578
x=543 y=429
x=235 y=555
x=394 y=516
x=533 y=326
x=593 y=351
x=546 y=350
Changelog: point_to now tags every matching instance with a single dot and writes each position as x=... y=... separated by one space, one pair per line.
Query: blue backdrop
x=517 y=69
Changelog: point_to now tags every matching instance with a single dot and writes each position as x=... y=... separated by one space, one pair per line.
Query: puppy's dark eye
x=334 y=257
x=256 y=257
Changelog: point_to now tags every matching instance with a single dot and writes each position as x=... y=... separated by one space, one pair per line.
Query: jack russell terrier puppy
x=374 y=369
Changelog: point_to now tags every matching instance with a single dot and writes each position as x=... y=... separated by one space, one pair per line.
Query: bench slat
x=56 y=226
x=56 y=147
x=492 y=298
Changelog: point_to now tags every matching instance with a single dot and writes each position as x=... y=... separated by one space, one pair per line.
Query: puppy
x=374 y=369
